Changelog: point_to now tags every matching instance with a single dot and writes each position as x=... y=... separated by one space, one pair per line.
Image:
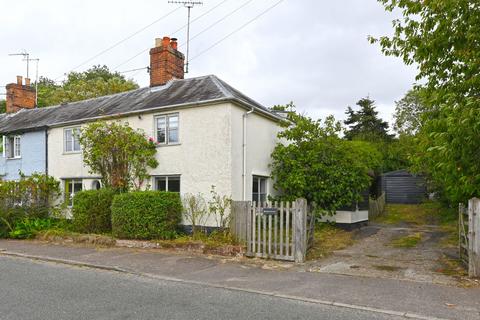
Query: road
x=41 y=290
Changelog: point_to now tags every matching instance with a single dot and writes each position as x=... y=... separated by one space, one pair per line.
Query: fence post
x=300 y=225
x=474 y=237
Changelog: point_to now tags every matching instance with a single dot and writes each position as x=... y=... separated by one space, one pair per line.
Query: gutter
x=46 y=151
x=244 y=151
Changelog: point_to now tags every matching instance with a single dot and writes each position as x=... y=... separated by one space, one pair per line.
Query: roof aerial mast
x=26 y=57
x=189 y=5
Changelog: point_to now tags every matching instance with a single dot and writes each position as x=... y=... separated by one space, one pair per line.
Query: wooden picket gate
x=273 y=230
x=469 y=236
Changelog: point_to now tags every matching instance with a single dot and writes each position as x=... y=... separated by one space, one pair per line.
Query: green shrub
x=91 y=211
x=146 y=215
x=28 y=228
x=28 y=198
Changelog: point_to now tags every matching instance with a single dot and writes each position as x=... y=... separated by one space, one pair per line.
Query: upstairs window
x=72 y=140
x=167 y=183
x=166 y=129
x=259 y=189
x=12 y=147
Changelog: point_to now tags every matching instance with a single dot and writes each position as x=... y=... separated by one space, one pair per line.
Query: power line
x=123 y=40
x=218 y=21
x=131 y=70
x=238 y=29
x=178 y=30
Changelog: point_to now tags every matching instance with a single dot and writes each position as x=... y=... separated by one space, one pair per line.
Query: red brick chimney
x=166 y=62
x=20 y=96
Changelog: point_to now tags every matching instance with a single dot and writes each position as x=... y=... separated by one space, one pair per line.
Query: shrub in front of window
x=91 y=211
x=146 y=215
x=118 y=153
x=28 y=198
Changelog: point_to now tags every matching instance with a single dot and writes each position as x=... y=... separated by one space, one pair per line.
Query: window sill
x=168 y=145
x=71 y=152
x=14 y=158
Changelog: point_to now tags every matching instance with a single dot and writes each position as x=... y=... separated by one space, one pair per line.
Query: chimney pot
x=158 y=42
x=173 y=43
x=19 y=80
x=166 y=41
x=27 y=82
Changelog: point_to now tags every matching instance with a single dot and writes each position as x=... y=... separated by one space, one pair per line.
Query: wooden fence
x=275 y=230
x=376 y=207
x=469 y=236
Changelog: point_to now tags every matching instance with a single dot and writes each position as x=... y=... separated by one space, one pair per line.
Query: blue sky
x=314 y=53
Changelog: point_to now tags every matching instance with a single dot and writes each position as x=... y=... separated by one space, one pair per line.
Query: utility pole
x=189 y=5
x=26 y=57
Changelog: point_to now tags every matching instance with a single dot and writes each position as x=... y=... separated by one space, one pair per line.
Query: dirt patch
x=328 y=239
x=408 y=245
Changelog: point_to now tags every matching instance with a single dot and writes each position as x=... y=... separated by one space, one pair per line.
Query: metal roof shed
x=402 y=186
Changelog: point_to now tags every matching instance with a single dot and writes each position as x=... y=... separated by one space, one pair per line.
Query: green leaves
x=319 y=166
x=118 y=153
x=95 y=82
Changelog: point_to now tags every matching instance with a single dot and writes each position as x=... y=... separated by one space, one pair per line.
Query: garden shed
x=401 y=186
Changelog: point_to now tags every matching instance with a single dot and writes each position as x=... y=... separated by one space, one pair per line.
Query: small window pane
x=174 y=184
x=255 y=184
x=161 y=184
x=161 y=130
x=77 y=186
x=68 y=140
x=172 y=135
x=76 y=140
x=17 y=146
x=76 y=145
x=262 y=185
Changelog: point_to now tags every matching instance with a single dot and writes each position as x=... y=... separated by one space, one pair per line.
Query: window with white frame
x=72 y=140
x=259 y=189
x=167 y=183
x=166 y=129
x=72 y=186
x=12 y=147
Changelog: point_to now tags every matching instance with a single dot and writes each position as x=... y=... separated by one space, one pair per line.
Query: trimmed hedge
x=146 y=215
x=91 y=211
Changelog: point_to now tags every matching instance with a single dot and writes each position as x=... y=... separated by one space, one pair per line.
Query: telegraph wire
x=174 y=32
x=217 y=22
x=123 y=40
x=236 y=30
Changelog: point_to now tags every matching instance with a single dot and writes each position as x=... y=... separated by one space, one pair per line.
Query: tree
x=442 y=38
x=408 y=113
x=95 y=82
x=118 y=153
x=3 y=106
x=365 y=124
x=318 y=165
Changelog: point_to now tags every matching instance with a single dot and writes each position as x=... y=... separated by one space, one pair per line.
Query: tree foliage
x=318 y=165
x=443 y=39
x=365 y=124
x=118 y=153
x=409 y=111
x=3 y=106
x=95 y=82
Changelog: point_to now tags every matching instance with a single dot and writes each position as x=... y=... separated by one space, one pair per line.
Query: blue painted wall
x=32 y=149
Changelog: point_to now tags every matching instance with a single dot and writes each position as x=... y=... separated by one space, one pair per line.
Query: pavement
x=40 y=290
x=377 y=296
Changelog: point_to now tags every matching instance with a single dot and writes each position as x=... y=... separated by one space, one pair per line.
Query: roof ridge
x=220 y=86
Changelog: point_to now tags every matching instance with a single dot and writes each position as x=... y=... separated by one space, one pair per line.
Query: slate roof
x=191 y=91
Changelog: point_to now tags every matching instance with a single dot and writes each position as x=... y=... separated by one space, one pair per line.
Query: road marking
x=407 y=315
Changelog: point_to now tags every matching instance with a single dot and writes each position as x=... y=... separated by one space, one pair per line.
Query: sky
x=314 y=53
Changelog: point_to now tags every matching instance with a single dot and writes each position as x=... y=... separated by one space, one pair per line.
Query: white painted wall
x=209 y=152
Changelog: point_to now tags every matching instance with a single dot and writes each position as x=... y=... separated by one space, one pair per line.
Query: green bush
x=146 y=215
x=28 y=228
x=91 y=211
x=27 y=198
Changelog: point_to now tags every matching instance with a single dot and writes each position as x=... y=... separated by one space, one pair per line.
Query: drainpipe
x=244 y=146
x=46 y=151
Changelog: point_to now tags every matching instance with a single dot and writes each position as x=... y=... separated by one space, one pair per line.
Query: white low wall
x=347 y=217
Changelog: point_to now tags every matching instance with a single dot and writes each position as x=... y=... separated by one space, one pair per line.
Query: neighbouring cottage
x=208 y=133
